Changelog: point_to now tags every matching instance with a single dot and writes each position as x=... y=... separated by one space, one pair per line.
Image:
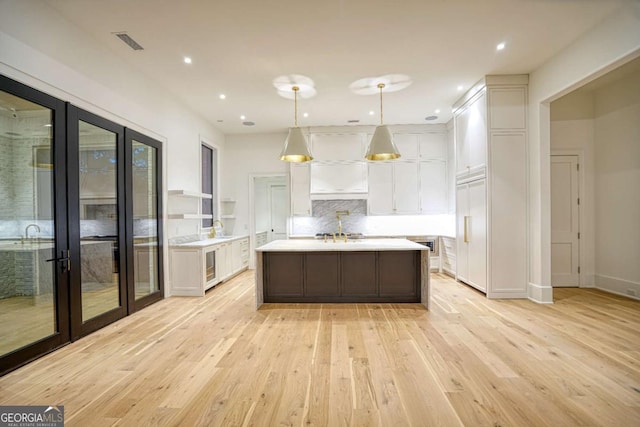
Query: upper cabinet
x=338 y=167
x=422 y=146
x=339 y=178
x=471 y=136
x=332 y=147
x=300 y=197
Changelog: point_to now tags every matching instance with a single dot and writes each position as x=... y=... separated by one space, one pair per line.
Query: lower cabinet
x=448 y=256
x=345 y=276
x=196 y=268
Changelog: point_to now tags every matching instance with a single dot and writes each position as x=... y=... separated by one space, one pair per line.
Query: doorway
x=565 y=221
x=269 y=209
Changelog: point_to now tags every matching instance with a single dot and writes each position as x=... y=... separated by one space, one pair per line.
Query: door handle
x=466 y=229
x=65 y=262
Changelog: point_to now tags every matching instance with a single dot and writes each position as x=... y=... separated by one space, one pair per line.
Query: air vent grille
x=129 y=41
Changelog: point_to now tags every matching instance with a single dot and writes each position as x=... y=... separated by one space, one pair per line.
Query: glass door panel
x=145 y=223
x=98 y=186
x=144 y=232
x=96 y=221
x=32 y=278
x=27 y=303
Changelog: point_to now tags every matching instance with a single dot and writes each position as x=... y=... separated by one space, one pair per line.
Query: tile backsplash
x=324 y=221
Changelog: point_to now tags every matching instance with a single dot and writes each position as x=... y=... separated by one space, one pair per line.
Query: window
x=209 y=184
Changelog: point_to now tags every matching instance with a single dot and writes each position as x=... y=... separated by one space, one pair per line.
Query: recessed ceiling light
x=306 y=114
x=48 y=125
x=437 y=111
x=500 y=46
x=371 y=112
x=187 y=60
x=222 y=96
x=242 y=117
x=460 y=87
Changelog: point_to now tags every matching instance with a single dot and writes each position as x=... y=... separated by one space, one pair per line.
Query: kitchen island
x=363 y=270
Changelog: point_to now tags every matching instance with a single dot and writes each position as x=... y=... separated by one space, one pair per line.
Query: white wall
x=42 y=49
x=617 y=185
x=246 y=155
x=614 y=41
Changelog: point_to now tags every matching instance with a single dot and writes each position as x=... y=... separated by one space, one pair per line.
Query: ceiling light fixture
x=222 y=96
x=187 y=60
x=305 y=115
x=460 y=87
x=500 y=46
x=295 y=146
x=381 y=146
x=243 y=117
x=437 y=111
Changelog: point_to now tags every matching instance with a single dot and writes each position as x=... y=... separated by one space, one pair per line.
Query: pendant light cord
x=381 y=85
x=295 y=90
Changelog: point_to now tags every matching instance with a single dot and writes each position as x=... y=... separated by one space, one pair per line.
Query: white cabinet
x=471 y=229
x=490 y=125
x=300 y=196
x=471 y=135
x=393 y=188
x=433 y=187
x=448 y=255
x=339 y=178
x=195 y=268
x=408 y=187
x=261 y=238
x=422 y=146
x=236 y=255
x=338 y=146
x=380 y=188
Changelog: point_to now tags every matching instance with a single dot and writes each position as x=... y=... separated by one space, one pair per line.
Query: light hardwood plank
x=469 y=361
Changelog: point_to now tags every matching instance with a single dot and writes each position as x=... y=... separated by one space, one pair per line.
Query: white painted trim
x=540 y=294
x=618 y=286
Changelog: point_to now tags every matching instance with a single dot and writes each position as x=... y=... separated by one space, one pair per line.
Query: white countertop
x=209 y=242
x=319 y=245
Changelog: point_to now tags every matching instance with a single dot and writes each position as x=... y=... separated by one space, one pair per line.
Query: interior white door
x=565 y=221
x=279 y=212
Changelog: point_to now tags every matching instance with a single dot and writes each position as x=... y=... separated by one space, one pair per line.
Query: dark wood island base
x=342 y=275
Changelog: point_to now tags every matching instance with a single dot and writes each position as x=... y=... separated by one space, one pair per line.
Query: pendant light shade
x=381 y=146
x=295 y=146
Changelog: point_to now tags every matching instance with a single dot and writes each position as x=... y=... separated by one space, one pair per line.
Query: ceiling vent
x=431 y=118
x=129 y=41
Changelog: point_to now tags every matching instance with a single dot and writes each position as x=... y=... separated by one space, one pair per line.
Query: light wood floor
x=215 y=361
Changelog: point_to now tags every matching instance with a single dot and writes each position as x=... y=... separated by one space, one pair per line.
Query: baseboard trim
x=540 y=294
x=618 y=286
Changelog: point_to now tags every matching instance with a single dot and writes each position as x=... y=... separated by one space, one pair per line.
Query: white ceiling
x=239 y=46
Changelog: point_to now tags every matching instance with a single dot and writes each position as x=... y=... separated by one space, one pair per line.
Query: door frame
x=581 y=211
x=252 y=210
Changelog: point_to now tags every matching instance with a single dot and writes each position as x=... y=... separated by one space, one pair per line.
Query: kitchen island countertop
x=319 y=245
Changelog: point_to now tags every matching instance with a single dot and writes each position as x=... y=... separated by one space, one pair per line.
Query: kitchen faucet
x=339 y=216
x=26 y=230
x=212 y=232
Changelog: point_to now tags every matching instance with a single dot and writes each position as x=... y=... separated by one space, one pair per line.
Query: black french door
x=96 y=217
x=34 y=273
x=80 y=223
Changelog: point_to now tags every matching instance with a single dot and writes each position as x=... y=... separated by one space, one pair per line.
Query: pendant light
x=295 y=146
x=381 y=146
